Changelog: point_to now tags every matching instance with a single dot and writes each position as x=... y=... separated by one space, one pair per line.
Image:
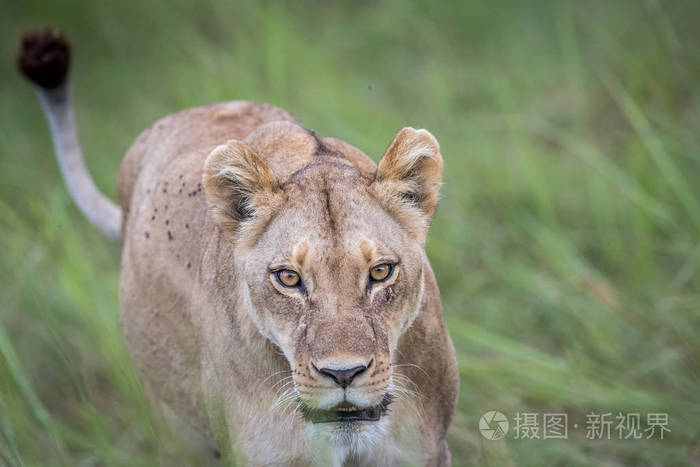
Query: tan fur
x=214 y=199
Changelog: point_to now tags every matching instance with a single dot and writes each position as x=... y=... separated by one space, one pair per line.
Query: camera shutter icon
x=493 y=425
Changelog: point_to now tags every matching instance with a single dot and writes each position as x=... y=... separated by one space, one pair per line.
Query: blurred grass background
x=566 y=244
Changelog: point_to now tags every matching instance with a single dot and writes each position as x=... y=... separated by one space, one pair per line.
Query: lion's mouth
x=345 y=412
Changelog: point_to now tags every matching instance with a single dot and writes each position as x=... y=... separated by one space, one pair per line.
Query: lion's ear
x=240 y=187
x=408 y=179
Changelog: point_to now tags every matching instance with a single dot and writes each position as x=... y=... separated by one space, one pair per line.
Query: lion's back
x=190 y=132
x=163 y=230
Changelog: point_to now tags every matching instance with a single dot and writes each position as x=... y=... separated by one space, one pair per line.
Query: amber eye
x=288 y=278
x=380 y=272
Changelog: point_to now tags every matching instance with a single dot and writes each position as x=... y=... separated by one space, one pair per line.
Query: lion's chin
x=349 y=437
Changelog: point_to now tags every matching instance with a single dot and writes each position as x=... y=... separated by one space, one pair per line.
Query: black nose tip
x=344 y=376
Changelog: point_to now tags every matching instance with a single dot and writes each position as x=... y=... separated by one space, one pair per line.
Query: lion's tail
x=44 y=58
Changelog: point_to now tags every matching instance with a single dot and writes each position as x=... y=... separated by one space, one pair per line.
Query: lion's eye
x=381 y=272
x=288 y=278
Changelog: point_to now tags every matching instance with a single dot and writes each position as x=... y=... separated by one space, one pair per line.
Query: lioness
x=275 y=294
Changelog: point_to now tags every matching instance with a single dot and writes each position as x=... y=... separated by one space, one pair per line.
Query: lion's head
x=330 y=260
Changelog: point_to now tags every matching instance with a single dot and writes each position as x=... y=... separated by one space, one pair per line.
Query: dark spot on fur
x=188 y=265
x=331 y=221
x=155 y=210
x=412 y=198
x=165 y=190
x=320 y=148
x=147 y=234
x=187 y=226
x=166 y=207
x=153 y=217
x=217 y=454
x=170 y=235
x=180 y=176
x=167 y=221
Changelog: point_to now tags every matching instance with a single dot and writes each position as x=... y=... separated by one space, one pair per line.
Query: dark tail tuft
x=44 y=57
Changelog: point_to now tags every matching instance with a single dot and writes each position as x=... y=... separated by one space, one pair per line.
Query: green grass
x=566 y=244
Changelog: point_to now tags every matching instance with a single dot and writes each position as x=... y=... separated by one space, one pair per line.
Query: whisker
x=282 y=382
x=398 y=387
x=406 y=379
x=274 y=374
x=399 y=394
x=282 y=387
x=290 y=417
x=410 y=365
x=287 y=396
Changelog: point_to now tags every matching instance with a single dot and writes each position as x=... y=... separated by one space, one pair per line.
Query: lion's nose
x=343 y=376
